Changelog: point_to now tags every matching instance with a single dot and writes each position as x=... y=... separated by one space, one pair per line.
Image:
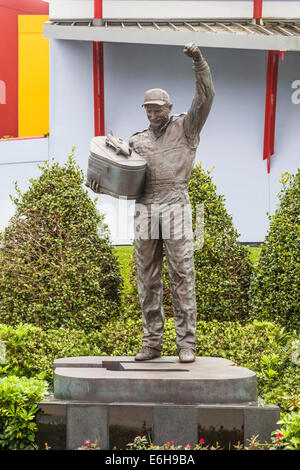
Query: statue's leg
x=149 y=258
x=180 y=259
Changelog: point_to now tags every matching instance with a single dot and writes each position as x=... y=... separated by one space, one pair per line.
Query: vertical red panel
x=270 y=109
x=98 y=9
x=274 y=100
x=9 y=11
x=9 y=72
x=101 y=84
x=98 y=88
x=257 y=9
x=98 y=65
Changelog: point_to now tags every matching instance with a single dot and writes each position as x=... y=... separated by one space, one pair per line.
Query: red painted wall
x=9 y=11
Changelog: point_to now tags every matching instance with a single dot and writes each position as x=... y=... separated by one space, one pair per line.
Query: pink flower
x=139 y=437
x=201 y=441
x=279 y=435
x=87 y=443
x=187 y=446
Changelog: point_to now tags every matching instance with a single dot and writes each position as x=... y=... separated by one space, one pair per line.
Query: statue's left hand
x=93 y=185
x=191 y=50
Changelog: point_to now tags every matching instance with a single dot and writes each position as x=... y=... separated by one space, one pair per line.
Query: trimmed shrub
x=18 y=408
x=57 y=268
x=223 y=266
x=275 y=289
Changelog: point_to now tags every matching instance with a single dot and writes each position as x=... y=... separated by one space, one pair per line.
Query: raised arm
x=203 y=98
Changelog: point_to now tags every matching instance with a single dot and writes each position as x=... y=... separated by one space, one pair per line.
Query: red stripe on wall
x=257 y=9
x=9 y=72
x=98 y=9
x=98 y=65
x=270 y=106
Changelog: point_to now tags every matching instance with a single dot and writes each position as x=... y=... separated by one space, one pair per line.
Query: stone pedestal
x=114 y=399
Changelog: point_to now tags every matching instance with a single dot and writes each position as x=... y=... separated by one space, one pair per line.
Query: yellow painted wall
x=33 y=76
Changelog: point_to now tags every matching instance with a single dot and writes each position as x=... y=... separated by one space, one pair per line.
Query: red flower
x=171 y=442
x=188 y=446
x=201 y=441
x=279 y=435
x=87 y=443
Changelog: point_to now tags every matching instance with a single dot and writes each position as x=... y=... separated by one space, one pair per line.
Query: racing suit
x=163 y=215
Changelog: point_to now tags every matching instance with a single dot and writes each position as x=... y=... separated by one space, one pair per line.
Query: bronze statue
x=169 y=146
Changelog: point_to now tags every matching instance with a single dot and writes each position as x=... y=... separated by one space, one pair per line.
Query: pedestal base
x=114 y=399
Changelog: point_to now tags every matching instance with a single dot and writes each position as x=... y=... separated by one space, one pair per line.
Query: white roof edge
x=178 y=38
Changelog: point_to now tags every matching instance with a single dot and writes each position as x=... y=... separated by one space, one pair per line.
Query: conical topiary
x=223 y=267
x=275 y=289
x=57 y=269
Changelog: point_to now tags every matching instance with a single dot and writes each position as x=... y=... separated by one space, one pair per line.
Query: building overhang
x=244 y=34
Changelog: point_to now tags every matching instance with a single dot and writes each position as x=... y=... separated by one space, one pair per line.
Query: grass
x=254 y=254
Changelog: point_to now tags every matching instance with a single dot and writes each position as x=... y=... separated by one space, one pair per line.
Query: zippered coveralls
x=163 y=215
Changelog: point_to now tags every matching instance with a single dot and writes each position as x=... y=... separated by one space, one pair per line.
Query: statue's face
x=157 y=114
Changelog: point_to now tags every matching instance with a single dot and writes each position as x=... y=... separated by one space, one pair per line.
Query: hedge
x=58 y=267
x=275 y=288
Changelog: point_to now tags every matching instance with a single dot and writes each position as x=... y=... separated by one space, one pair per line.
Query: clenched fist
x=191 y=50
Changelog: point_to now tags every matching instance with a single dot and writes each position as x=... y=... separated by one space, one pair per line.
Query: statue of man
x=169 y=146
x=163 y=212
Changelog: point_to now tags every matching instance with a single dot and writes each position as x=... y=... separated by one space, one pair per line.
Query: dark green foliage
x=275 y=290
x=18 y=408
x=290 y=430
x=30 y=350
x=223 y=266
x=57 y=269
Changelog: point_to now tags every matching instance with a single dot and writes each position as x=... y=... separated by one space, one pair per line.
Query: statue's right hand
x=192 y=50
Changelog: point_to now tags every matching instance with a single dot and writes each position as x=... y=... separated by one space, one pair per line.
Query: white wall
x=76 y=9
x=232 y=138
x=71 y=98
x=72 y=118
x=18 y=162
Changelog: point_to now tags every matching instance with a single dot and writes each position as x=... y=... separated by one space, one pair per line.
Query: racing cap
x=156 y=96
